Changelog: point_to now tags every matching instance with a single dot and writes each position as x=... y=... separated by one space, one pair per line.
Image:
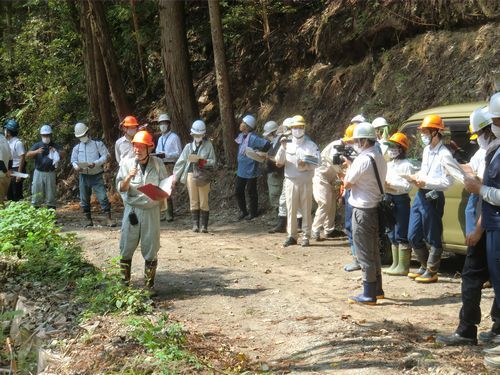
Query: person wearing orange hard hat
x=397 y=189
x=123 y=146
x=141 y=215
x=426 y=225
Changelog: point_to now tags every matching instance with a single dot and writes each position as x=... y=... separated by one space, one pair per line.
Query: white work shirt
x=365 y=191
x=17 y=150
x=5 y=154
x=327 y=171
x=90 y=152
x=478 y=162
x=433 y=169
x=170 y=145
x=295 y=151
x=123 y=149
x=396 y=168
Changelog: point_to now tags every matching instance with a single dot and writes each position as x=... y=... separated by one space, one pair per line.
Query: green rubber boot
x=404 y=262
x=395 y=260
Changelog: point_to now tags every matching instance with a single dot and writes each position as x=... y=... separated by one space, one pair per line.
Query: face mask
x=84 y=139
x=495 y=130
x=131 y=132
x=46 y=140
x=482 y=141
x=426 y=139
x=298 y=133
x=393 y=153
x=357 y=147
x=164 y=128
x=198 y=138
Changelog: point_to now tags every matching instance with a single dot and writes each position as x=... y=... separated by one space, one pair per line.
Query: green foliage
x=47 y=255
x=104 y=292
x=164 y=340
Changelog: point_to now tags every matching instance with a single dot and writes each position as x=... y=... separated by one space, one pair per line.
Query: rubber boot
x=126 y=267
x=169 y=215
x=422 y=255
x=299 y=225
x=150 y=273
x=281 y=226
x=354 y=266
x=195 y=215
x=433 y=263
x=368 y=297
x=204 y=221
x=395 y=259
x=109 y=220
x=88 y=222
x=379 y=292
x=404 y=261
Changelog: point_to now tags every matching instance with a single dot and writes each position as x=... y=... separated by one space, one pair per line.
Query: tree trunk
x=101 y=32
x=140 y=46
x=223 y=87
x=179 y=91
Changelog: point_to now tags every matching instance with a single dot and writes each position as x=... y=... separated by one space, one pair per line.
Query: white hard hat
x=80 y=129
x=250 y=121
x=479 y=119
x=45 y=130
x=379 y=122
x=163 y=117
x=358 y=119
x=364 y=130
x=494 y=106
x=198 y=128
x=287 y=122
x=270 y=127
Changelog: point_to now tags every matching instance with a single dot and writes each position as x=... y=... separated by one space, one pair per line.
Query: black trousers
x=474 y=274
x=15 y=192
x=251 y=185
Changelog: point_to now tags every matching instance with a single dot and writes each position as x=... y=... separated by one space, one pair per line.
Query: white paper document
x=19 y=174
x=167 y=184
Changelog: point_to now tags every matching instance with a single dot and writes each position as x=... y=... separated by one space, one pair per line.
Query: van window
x=456 y=138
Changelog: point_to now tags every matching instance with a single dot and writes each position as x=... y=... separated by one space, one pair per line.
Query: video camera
x=343 y=152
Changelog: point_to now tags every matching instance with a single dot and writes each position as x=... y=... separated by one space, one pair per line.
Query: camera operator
x=426 y=225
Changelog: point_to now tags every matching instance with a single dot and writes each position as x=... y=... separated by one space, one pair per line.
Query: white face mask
x=84 y=139
x=426 y=139
x=393 y=153
x=46 y=140
x=495 y=130
x=298 y=132
x=357 y=147
x=164 y=128
x=131 y=132
x=198 y=138
x=482 y=141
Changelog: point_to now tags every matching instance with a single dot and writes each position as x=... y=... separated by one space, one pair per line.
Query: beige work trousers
x=325 y=196
x=298 y=196
x=198 y=195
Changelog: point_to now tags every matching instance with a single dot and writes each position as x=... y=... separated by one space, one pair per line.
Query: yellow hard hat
x=349 y=132
x=297 y=120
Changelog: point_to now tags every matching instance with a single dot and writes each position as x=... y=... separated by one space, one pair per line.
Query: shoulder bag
x=386 y=216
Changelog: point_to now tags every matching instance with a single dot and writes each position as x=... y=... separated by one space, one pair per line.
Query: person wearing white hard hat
x=88 y=158
x=47 y=155
x=168 y=149
x=299 y=157
x=475 y=270
x=358 y=119
x=382 y=131
x=5 y=167
x=11 y=128
x=193 y=169
x=365 y=177
x=275 y=175
x=248 y=169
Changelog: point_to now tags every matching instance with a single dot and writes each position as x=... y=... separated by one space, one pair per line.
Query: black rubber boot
x=204 y=221
x=89 y=222
x=126 y=267
x=281 y=226
x=456 y=340
x=170 y=210
x=289 y=242
x=195 y=215
x=150 y=273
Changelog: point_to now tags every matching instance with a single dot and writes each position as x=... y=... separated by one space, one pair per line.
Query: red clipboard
x=153 y=192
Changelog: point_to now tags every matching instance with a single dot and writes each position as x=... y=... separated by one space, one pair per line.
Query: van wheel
x=385 y=249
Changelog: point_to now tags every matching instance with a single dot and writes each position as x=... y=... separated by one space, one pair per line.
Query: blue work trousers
x=399 y=232
x=471 y=213
x=348 y=221
x=493 y=255
x=95 y=182
x=426 y=224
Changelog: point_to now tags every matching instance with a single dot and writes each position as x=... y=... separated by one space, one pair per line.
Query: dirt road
x=287 y=308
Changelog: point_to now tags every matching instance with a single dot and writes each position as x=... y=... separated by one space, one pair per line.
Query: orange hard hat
x=432 y=122
x=130 y=121
x=144 y=138
x=400 y=139
x=349 y=132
